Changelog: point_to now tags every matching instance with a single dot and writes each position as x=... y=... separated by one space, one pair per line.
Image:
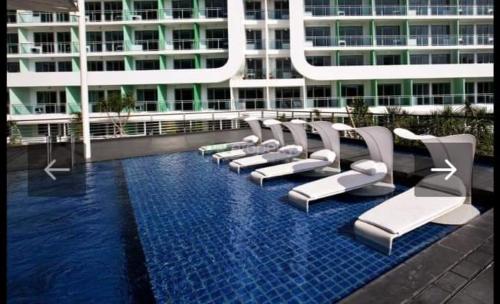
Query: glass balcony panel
x=279 y=14
x=390 y=10
x=254 y=14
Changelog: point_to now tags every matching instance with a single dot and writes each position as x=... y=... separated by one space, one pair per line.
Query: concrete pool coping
x=456 y=269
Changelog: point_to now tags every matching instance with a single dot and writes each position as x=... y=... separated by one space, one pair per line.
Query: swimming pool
x=200 y=232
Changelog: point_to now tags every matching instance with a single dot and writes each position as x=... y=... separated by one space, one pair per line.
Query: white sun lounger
x=372 y=177
x=329 y=156
x=285 y=153
x=248 y=141
x=269 y=145
x=439 y=198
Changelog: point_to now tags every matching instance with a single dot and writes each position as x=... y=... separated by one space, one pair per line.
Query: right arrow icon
x=452 y=169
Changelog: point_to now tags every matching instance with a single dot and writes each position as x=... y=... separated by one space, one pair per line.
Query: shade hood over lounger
x=250 y=140
x=372 y=177
x=329 y=156
x=436 y=198
x=265 y=147
x=285 y=153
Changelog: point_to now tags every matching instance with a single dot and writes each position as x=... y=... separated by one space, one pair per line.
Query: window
x=182 y=9
x=95 y=66
x=216 y=8
x=95 y=97
x=388 y=59
x=318 y=7
x=485 y=92
x=419 y=58
x=321 y=96
x=441 y=92
x=11 y=16
x=254 y=69
x=45 y=40
x=485 y=58
x=183 y=39
x=219 y=98
x=352 y=35
x=183 y=99
x=93 y=11
x=388 y=35
x=182 y=64
x=216 y=38
x=146 y=10
x=147 y=99
x=466 y=58
x=45 y=66
x=420 y=33
x=281 y=10
x=484 y=34
x=251 y=98
x=253 y=10
x=284 y=68
x=282 y=39
x=421 y=93
x=64 y=42
x=148 y=40
x=12 y=43
x=254 y=39
x=351 y=60
x=115 y=65
x=466 y=34
x=388 y=94
x=441 y=35
x=440 y=58
x=152 y=64
x=114 y=41
x=213 y=63
x=113 y=10
x=288 y=98
x=320 y=36
x=64 y=66
x=13 y=67
x=319 y=60
x=94 y=41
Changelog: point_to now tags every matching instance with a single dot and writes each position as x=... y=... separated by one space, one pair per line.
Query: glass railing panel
x=41 y=108
x=214 y=43
x=146 y=106
x=255 y=44
x=214 y=12
x=217 y=105
x=390 y=40
x=390 y=10
x=354 y=41
x=319 y=10
x=280 y=44
x=288 y=103
x=254 y=14
x=281 y=14
x=183 y=44
x=358 y=10
x=320 y=40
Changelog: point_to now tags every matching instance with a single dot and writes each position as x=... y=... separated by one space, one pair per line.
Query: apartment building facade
x=228 y=55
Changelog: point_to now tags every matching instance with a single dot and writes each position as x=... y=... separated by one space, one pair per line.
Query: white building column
x=84 y=92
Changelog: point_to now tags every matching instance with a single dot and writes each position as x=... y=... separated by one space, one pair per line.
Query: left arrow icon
x=49 y=169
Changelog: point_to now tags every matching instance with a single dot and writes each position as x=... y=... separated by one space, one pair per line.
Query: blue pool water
x=182 y=229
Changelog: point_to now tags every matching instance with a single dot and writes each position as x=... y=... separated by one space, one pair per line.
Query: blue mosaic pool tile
x=211 y=235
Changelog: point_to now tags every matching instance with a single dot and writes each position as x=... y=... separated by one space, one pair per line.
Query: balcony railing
x=41 y=108
x=288 y=103
x=214 y=43
x=183 y=44
x=214 y=12
x=40 y=17
x=254 y=74
x=285 y=74
x=401 y=40
x=254 y=14
x=153 y=14
x=255 y=44
x=398 y=10
x=250 y=104
x=143 y=45
x=279 y=14
x=46 y=47
x=146 y=106
x=216 y=104
x=12 y=48
x=322 y=102
x=280 y=44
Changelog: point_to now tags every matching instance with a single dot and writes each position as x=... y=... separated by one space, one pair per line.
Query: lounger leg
x=374 y=237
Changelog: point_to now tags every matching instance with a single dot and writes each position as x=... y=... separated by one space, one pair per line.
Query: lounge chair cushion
x=406 y=211
x=271 y=143
x=325 y=154
x=291 y=149
x=369 y=167
x=292 y=167
x=251 y=139
x=453 y=185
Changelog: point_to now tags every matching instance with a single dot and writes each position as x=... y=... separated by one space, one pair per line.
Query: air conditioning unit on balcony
x=412 y=12
x=460 y=11
x=341 y=13
x=136 y=17
x=490 y=11
x=342 y=43
x=287 y=75
x=39 y=110
x=490 y=39
x=251 y=46
x=308 y=43
x=136 y=47
x=285 y=45
x=460 y=40
x=87 y=18
x=36 y=49
x=412 y=42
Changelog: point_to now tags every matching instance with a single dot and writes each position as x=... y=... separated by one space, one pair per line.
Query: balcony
x=214 y=43
x=153 y=14
x=288 y=103
x=323 y=102
x=399 y=10
x=285 y=74
x=255 y=44
x=43 y=48
x=280 y=44
x=217 y=104
x=41 y=108
x=249 y=104
x=183 y=44
x=400 y=40
x=254 y=74
x=279 y=14
x=254 y=14
x=40 y=17
x=146 y=106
